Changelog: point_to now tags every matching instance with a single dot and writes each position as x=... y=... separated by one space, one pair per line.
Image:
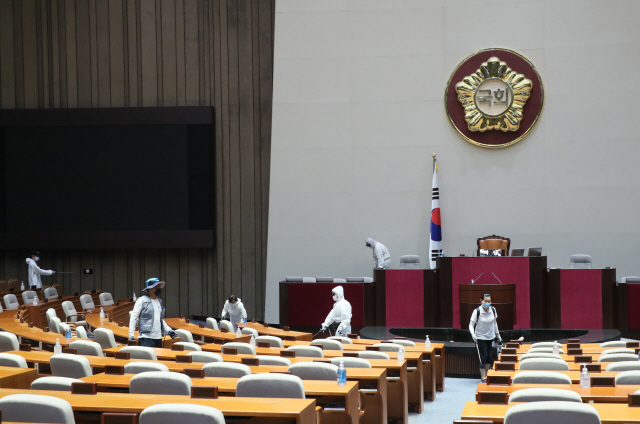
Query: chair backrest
x=623 y=366
x=272 y=360
x=161 y=383
x=250 y=331
x=226 y=324
x=4 y=286
x=189 y=346
x=544 y=364
x=372 y=354
x=105 y=337
x=138 y=367
x=552 y=412
x=11 y=301
x=272 y=340
x=172 y=413
x=81 y=332
x=343 y=340
x=69 y=309
x=494 y=242
x=388 y=347
x=185 y=335
x=324 y=279
x=307 y=351
x=11 y=360
x=403 y=342
x=314 y=371
x=409 y=262
x=54 y=383
x=293 y=279
x=545 y=350
x=226 y=369
x=628 y=377
x=580 y=262
x=50 y=313
x=86 y=347
x=270 y=386
x=28 y=296
x=86 y=301
x=615 y=343
x=68 y=365
x=15 y=284
x=339 y=280
x=106 y=299
x=544 y=344
x=618 y=357
x=534 y=251
x=54 y=324
x=8 y=341
x=541 y=377
x=140 y=352
x=205 y=356
x=350 y=362
x=544 y=395
x=308 y=280
x=539 y=355
x=36 y=409
x=50 y=293
x=327 y=344
x=242 y=348
x=212 y=324
x=517 y=252
x=617 y=350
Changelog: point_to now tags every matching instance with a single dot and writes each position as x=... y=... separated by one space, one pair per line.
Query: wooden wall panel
x=133 y=53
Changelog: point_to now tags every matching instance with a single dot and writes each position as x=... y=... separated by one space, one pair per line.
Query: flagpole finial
x=433 y=155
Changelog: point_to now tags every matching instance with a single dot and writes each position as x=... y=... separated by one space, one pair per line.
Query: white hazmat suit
x=381 y=255
x=340 y=313
x=235 y=311
x=35 y=272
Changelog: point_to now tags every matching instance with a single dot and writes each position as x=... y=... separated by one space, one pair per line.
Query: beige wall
x=120 y=53
x=358 y=110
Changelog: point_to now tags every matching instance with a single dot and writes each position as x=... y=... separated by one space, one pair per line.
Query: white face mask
x=37 y=258
x=335 y=298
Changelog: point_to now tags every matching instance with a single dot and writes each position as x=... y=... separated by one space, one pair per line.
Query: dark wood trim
x=284 y=303
x=553 y=310
x=444 y=294
x=380 y=281
x=622 y=307
x=608 y=298
x=430 y=295
x=538 y=280
x=369 y=304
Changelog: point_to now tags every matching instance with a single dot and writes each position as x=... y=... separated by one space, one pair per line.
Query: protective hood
x=339 y=291
x=371 y=242
x=30 y=261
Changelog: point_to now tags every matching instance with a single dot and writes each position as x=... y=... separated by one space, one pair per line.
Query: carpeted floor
x=448 y=404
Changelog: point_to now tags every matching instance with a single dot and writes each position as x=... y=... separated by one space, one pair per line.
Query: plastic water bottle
x=585 y=379
x=401 y=354
x=244 y=320
x=35 y=301
x=134 y=296
x=67 y=334
x=238 y=332
x=342 y=374
x=22 y=286
x=427 y=343
x=102 y=314
x=556 y=348
x=57 y=348
x=253 y=341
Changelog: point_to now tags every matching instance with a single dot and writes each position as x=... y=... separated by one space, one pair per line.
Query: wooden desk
x=197 y=331
x=610 y=413
x=574 y=375
x=618 y=394
x=17 y=378
x=323 y=391
x=38 y=313
x=263 y=410
x=9 y=322
x=277 y=332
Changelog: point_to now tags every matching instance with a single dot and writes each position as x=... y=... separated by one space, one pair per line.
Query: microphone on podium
x=496 y=277
x=474 y=281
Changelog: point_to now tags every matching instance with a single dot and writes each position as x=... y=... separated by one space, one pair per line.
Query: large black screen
x=107 y=185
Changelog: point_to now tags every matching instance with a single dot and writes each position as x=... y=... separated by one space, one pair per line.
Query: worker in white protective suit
x=339 y=319
x=35 y=271
x=381 y=256
x=235 y=309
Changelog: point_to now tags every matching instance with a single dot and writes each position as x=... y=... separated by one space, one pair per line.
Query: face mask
x=486 y=305
x=335 y=298
x=158 y=292
x=37 y=258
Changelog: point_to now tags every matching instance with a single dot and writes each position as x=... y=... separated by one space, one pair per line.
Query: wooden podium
x=503 y=298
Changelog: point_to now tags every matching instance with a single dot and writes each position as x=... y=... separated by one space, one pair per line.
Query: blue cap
x=152 y=283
